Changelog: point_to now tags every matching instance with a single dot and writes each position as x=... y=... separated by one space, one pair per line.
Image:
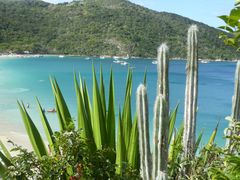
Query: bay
x=26 y=78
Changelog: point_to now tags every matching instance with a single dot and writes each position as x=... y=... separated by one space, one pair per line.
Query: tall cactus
x=144 y=147
x=191 y=93
x=160 y=141
x=158 y=169
x=160 y=138
x=235 y=116
x=162 y=65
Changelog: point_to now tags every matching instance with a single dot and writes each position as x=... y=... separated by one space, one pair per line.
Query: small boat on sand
x=53 y=110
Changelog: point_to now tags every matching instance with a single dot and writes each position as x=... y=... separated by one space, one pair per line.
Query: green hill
x=100 y=27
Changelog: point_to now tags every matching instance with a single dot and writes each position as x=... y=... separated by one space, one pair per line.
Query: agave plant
x=96 y=120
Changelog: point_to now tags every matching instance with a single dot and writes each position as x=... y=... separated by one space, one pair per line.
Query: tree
x=232 y=27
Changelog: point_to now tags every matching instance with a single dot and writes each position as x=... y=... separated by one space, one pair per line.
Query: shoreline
x=15 y=133
x=9 y=56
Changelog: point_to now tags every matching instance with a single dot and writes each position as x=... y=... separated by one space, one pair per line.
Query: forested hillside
x=100 y=27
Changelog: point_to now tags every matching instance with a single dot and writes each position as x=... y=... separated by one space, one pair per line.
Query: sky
x=205 y=11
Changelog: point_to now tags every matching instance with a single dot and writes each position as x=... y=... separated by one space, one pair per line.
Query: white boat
x=102 y=57
x=116 y=57
x=154 y=62
x=61 y=56
x=117 y=61
x=87 y=58
x=204 y=61
x=124 y=63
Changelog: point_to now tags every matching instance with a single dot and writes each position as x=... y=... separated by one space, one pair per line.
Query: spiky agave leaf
x=86 y=100
x=133 y=153
x=33 y=134
x=145 y=77
x=120 y=149
x=46 y=126
x=198 y=141
x=212 y=137
x=62 y=109
x=175 y=147
x=84 y=123
x=172 y=121
x=110 y=123
x=5 y=160
x=3 y=171
x=60 y=118
x=102 y=93
x=99 y=125
x=126 y=113
x=5 y=150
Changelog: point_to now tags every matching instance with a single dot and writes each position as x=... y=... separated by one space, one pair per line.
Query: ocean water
x=25 y=79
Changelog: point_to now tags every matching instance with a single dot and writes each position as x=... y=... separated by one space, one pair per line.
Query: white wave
x=15 y=90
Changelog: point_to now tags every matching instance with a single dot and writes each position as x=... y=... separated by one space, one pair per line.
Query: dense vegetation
x=100 y=27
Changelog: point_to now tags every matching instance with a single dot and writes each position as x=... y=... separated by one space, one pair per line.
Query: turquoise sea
x=27 y=78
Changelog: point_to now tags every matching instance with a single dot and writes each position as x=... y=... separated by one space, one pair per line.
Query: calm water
x=26 y=78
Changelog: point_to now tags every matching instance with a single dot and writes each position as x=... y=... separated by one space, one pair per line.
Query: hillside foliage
x=100 y=27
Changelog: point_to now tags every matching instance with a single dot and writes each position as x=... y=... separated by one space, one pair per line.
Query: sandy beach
x=15 y=133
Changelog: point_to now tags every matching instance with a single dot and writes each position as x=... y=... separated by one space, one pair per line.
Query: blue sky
x=205 y=11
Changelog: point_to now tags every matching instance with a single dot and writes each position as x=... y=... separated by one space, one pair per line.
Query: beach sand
x=16 y=133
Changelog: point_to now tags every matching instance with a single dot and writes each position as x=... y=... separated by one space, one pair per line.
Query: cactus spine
x=191 y=93
x=144 y=147
x=235 y=116
x=161 y=121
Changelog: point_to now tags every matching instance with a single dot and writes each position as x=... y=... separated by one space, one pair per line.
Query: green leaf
x=5 y=151
x=63 y=111
x=133 y=151
x=47 y=127
x=3 y=171
x=198 y=141
x=237 y=2
x=145 y=77
x=99 y=125
x=86 y=99
x=84 y=123
x=33 y=134
x=172 y=121
x=4 y=159
x=175 y=148
x=226 y=28
x=102 y=93
x=126 y=113
x=111 y=114
x=225 y=18
x=121 y=149
x=212 y=137
x=60 y=118
x=235 y=14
